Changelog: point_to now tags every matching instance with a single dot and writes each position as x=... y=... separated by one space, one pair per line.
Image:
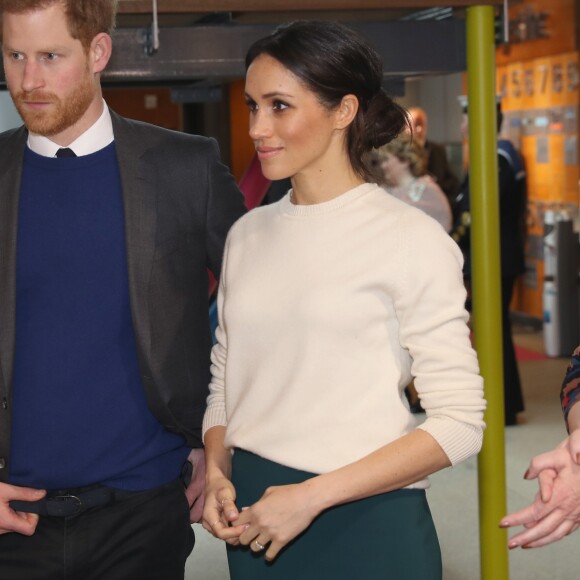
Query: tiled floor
x=453 y=494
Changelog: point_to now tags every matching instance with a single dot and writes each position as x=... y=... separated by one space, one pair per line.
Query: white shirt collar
x=99 y=135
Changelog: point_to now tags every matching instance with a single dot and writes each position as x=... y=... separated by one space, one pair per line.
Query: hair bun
x=384 y=120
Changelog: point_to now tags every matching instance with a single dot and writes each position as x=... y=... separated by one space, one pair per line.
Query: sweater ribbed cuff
x=214 y=416
x=458 y=440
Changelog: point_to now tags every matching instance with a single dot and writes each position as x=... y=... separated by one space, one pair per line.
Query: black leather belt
x=72 y=502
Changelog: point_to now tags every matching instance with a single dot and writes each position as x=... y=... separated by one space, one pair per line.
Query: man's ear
x=346 y=111
x=100 y=51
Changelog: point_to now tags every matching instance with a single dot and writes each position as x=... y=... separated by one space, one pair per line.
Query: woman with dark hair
x=330 y=301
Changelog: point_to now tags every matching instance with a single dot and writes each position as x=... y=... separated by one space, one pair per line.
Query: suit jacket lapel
x=139 y=200
x=10 y=174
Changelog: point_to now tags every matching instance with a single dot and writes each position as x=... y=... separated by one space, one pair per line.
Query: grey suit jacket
x=179 y=203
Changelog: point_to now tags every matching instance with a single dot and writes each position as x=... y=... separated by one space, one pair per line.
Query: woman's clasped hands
x=220 y=512
x=280 y=515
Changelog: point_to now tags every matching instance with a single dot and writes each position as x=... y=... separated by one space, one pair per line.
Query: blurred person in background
x=512 y=190
x=403 y=164
x=437 y=161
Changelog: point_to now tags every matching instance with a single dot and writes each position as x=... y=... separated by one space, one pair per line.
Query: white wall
x=437 y=95
x=9 y=118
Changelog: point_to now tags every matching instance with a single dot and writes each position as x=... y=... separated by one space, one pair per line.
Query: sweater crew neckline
x=69 y=163
x=291 y=209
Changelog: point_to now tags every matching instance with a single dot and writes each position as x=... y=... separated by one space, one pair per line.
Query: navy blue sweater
x=79 y=409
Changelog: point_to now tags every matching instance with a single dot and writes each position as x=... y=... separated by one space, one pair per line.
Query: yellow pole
x=486 y=285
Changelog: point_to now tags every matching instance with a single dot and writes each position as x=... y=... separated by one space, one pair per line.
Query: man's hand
x=13 y=521
x=195 y=489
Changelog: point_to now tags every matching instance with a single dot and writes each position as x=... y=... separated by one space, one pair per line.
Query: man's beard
x=62 y=114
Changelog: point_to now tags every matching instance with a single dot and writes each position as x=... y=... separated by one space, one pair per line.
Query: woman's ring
x=258 y=545
x=224 y=500
x=212 y=526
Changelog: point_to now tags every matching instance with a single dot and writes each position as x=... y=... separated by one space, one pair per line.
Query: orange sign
x=539 y=28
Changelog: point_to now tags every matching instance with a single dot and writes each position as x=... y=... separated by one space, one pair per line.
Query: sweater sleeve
x=570 y=391
x=215 y=413
x=433 y=328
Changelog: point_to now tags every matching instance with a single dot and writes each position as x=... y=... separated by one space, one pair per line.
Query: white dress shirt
x=99 y=135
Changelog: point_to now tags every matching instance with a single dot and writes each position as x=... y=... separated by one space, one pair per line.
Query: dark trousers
x=144 y=537
x=513 y=398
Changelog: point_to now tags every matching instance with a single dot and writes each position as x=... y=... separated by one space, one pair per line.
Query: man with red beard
x=107 y=228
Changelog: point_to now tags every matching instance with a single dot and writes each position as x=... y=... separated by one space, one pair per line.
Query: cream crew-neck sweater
x=326 y=313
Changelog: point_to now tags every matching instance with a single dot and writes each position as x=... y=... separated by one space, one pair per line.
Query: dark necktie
x=65 y=152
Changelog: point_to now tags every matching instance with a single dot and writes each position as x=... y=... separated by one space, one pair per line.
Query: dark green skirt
x=389 y=536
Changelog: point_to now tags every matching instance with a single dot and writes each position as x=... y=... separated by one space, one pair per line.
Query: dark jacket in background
x=512 y=209
x=512 y=202
x=438 y=167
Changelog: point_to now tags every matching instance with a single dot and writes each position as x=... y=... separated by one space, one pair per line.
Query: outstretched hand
x=555 y=511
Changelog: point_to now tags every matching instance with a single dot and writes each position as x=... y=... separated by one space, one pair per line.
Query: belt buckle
x=62 y=500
